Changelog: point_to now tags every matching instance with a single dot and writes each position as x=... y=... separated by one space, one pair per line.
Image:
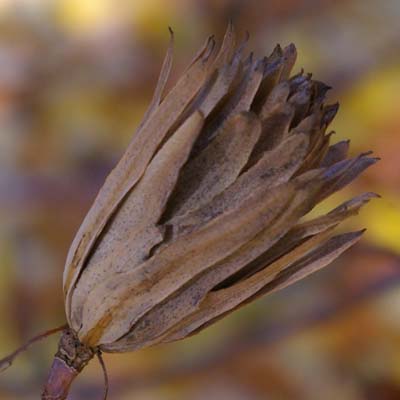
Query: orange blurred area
x=75 y=79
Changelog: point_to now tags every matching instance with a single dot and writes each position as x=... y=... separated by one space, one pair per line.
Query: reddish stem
x=72 y=356
x=59 y=380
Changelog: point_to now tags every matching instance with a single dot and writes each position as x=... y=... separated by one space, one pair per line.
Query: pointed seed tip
x=209 y=48
x=373 y=195
x=365 y=154
x=355 y=234
x=210 y=39
x=291 y=47
x=4 y=365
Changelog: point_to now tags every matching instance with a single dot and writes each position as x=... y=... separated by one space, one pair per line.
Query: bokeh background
x=75 y=78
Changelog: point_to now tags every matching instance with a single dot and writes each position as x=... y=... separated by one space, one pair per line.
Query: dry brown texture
x=131 y=167
x=201 y=215
x=133 y=232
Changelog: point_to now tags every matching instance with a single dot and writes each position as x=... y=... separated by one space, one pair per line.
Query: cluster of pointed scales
x=204 y=212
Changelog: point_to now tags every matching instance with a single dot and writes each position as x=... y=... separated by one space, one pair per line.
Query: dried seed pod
x=201 y=214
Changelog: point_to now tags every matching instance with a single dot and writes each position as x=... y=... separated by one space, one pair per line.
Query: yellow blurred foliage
x=82 y=17
x=383 y=222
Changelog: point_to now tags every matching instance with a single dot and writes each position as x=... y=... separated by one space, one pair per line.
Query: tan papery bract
x=202 y=212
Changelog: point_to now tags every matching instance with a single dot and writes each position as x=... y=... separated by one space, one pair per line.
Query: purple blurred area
x=75 y=79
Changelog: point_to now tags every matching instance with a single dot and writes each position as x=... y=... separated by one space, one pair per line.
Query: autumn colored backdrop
x=75 y=79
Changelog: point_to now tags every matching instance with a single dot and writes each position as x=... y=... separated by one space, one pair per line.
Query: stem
x=103 y=367
x=71 y=357
x=6 y=362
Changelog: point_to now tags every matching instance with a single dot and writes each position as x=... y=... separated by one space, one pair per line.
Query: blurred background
x=75 y=79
